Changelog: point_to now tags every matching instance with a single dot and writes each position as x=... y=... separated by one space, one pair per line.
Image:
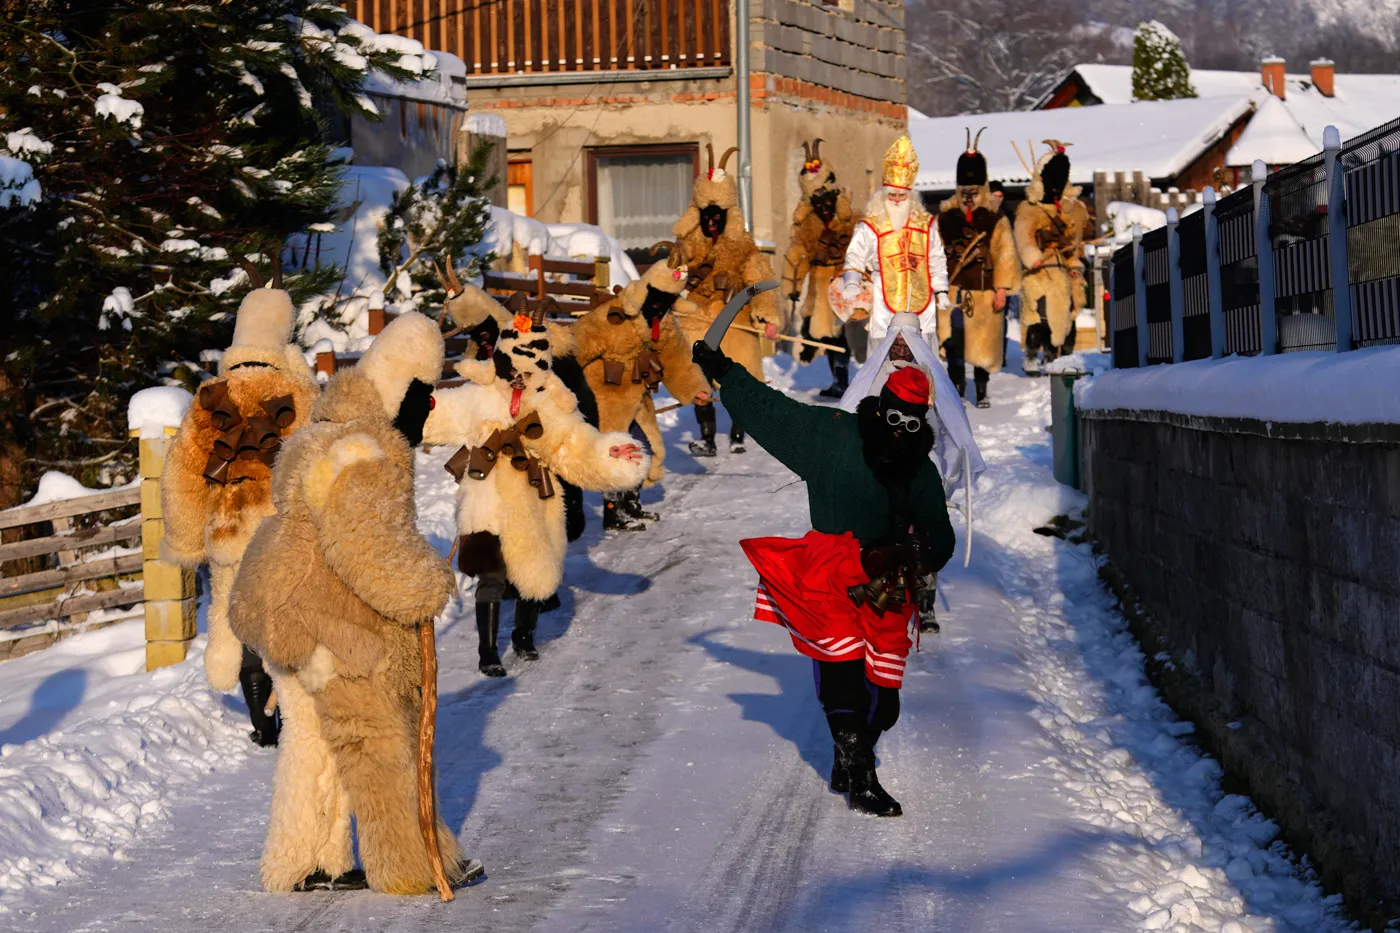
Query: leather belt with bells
x=478 y=462
x=258 y=437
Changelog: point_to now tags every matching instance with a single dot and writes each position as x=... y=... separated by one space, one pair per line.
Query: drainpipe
x=741 y=72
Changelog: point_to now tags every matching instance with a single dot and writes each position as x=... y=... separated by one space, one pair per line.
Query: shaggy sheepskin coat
x=816 y=254
x=720 y=267
x=330 y=594
x=530 y=529
x=609 y=341
x=211 y=522
x=1052 y=283
x=974 y=291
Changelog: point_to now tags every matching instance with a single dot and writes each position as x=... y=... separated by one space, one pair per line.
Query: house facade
x=612 y=105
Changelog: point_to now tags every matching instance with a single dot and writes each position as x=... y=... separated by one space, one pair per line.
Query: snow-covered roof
x=447 y=84
x=1272 y=135
x=916 y=114
x=1159 y=138
x=1360 y=101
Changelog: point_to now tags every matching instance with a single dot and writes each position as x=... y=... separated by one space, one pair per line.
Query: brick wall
x=1269 y=556
x=854 y=47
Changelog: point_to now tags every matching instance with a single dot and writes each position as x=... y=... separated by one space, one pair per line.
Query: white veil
x=954 y=450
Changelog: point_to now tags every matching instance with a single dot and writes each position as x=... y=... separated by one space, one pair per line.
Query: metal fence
x=1305 y=259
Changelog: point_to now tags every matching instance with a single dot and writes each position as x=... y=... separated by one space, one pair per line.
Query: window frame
x=593 y=153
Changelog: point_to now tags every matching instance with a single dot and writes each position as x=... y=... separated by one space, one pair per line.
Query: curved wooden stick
x=427 y=727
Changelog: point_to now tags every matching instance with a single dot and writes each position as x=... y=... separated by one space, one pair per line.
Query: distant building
x=610 y=104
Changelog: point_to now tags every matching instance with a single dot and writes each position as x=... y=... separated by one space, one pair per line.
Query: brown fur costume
x=504 y=503
x=212 y=520
x=612 y=343
x=817 y=248
x=1053 y=276
x=331 y=592
x=975 y=289
x=721 y=266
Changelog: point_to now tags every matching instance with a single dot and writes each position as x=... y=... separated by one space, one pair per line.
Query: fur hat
x=716 y=186
x=472 y=305
x=1055 y=165
x=659 y=276
x=409 y=348
x=972 y=165
x=524 y=346
x=815 y=174
x=261 y=331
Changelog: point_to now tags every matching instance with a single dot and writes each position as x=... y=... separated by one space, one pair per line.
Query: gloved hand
x=944 y=302
x=850 y=287
x=713 y=363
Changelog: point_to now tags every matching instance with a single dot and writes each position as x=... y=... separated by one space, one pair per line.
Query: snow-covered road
x=663 y=765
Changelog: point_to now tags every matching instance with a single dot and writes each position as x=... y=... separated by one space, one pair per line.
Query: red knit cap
x=909 y=384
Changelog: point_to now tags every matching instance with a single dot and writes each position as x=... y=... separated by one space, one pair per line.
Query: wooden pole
x=427 y=727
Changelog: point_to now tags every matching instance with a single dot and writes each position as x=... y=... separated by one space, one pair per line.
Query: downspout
x=741 y=72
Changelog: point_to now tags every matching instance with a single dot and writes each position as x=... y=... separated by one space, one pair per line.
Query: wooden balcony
x=538 y=37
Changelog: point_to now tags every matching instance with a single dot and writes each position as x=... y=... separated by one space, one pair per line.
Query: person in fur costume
x=982 y=268
x=822 y=225
x=331 y=593
x=482 y=317
x=518 y=426
x=217 y=484
x=1050 y=226
x=627 y=348
x=897 y=247
x=722 y=259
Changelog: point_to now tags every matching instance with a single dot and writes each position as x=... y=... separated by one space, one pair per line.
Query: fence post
x=1174 y=286
x=1140 y=295
x=168 y=589
x=1337 y=237
x=1214 y=298
x=1264 y=250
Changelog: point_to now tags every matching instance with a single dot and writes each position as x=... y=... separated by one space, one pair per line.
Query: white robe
x=863 y=255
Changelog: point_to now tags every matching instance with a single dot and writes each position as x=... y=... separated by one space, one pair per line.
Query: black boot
x=980 y=377
x=631 y=503
x=575 y=518
x=840 y=780
x=706 y=418
x=319 y=880
x=522 y=637
x=488 y=622
x=856 y=753
x=257 y=691
x=615 y=517
x=840 y=375
x=736 y=441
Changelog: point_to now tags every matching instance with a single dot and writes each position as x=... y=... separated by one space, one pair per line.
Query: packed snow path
x=663 y=766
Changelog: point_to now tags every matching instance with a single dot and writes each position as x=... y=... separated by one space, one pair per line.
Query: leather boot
x=980 y=377
x=522 y=637
x=840 y=364
x=257 y=690
x=488 y=623
x=631 y=503
x=840 y=780
x=736 y=441
x=856 y=753
x=615 y=517
x=706 y=418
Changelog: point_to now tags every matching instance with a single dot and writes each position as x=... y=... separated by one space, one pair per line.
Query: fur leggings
x=348 y=749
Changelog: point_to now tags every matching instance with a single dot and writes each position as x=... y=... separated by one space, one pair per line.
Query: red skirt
x=802 y=586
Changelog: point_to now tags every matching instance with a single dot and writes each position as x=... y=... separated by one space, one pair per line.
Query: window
x=637 y=192
x=520 y=189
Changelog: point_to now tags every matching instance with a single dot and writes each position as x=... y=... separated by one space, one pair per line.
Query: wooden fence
x=557 y=36
x=63 y=568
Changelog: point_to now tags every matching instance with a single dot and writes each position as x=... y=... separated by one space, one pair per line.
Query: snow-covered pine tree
x=432 y=235
x=171 y=148
x=1160 y=71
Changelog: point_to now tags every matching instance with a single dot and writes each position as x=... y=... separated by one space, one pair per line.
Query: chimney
x=1323 y=73
x=1271 y=70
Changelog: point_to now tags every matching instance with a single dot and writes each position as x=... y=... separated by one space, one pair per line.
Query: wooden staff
x=427 y=727
x=781 y=337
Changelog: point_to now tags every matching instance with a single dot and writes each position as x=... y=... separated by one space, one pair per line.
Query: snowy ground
x=663 y=765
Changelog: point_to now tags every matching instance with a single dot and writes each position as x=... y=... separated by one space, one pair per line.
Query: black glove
x=713 y=363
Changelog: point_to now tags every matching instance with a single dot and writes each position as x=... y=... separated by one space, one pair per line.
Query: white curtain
x=641 y=196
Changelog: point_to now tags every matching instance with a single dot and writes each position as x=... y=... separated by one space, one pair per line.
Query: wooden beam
x=28 y=515
x=11 y=618
x=88 y=570
x=34 y=547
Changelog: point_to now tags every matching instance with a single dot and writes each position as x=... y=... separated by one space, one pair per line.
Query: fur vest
x=992 y=262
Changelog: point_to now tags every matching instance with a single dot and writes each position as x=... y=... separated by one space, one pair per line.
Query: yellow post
x=169 y=589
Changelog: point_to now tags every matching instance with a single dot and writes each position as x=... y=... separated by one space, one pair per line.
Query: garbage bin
x=1064 y=428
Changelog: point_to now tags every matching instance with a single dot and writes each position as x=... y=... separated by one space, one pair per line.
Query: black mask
x=712 y=220
x=1055 y=176
x=893 y=454
x=824 y=204
x=485 y=335
x=657 y=303
x=504 y=368
x=413 y=412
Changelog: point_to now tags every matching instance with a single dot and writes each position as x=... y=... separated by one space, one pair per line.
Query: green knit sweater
x=823 y=447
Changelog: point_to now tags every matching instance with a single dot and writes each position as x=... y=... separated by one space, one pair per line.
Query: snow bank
x=151 y=411
x=93 y=751
x=557 y=241
x=18 y=186
x=1122 y=216
x=1342 y=388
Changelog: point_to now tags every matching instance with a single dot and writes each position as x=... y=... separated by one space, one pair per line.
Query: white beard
x=898 y=213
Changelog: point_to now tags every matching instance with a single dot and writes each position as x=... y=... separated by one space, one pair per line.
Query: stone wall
x=1268 y=557
x=855 y=46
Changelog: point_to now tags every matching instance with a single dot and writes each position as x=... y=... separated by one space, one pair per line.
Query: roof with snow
x=1160 y=138
x=1360 y=101
x=1273 y=136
